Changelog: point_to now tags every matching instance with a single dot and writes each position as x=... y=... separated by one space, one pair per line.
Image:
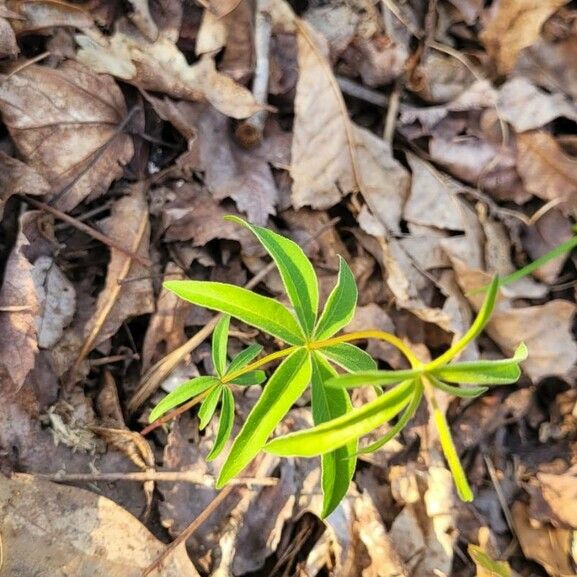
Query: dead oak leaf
x=65 y=123
x=513 y=25
x=161 y=67
x=60 y=531
x=547 y=171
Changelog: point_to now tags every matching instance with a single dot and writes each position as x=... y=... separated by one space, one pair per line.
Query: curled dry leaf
x=18 y=330
x=42 y=14
x=65 y=123
x=161 y=67
x=16 y=177
x=512 y=25
x=142 y=19
x=62 y=531
x=128 y=288
x=560 y=493
x=546 y=170
x=8 y=44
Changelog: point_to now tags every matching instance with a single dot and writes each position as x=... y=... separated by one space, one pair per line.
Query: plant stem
x=370 y=334
x=356 y=336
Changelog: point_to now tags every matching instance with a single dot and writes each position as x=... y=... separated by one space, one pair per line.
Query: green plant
x=313 y=356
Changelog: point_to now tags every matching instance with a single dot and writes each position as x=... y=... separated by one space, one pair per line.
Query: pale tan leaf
x=546 y=170
x=513 y=25
x=560 y=493
x=8 y=44
x=211 y=35
x=142 y=19
x=57 y=299
x=330 y=155
x=527 y=107
x=63 y=531
x=42 y=14
x=161 y=67
x=65 y=123
x=120 y=300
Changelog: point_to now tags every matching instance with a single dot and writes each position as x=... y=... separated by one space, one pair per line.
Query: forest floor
x=431 y=144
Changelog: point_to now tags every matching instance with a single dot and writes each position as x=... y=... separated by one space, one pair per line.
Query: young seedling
x=314 y=355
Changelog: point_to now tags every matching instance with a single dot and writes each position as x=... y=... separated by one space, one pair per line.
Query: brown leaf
x=120 y=300
x=16 y=177
x=546 y=170
x=550 y=547
x=513 y=25
x=63 y=531
x=527 y=107
x=18 y=330
x=330 y=155
x=8 y=44
x=65 y=124
x=560 y=493
x=142 y=19
x=161 y=67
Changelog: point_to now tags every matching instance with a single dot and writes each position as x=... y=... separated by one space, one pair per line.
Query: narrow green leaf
x=338 y=466
x=364 y=378
x=349 y=357
x=487 y=566
x=296 y=271
x=464 y=392
x=244 y=357
x=224 y=425
x=474 y=331
x=340 y=306
x=253 y=309
x=463 y=488
x=499 y=372
x=284 y=387
x=185 y=392
x=220 y=345
x=559 y=250
x=407 y=415
x=251 y=378
x=208 y=406
x=340 y=431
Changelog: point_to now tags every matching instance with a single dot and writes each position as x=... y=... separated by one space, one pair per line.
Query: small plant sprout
x=331 y=364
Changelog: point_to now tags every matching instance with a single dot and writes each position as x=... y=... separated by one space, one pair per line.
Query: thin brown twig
x=352 y=88
x=156 y=476
x=183 y=537
x=97 y=235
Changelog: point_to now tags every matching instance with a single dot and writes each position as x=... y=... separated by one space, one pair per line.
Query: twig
x=249 y=132
x=113 y=359
x=183 y=537
x=87 y=230
x=156 y=476
x=392 y=112
x=158 y=372
x=361 y=92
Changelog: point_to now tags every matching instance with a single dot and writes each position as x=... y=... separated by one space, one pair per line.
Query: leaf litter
x=431 y=144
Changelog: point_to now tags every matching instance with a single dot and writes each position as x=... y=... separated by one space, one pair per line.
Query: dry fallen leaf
x=128 y=288
x=16 y=177
x=560 y=493
x=18 y=327
x=546 y=170
x=57 y=301
x=527 y=107
x=548 y=546
x=65 y=123
x=161 y=67
x=62 y=531
x=513 y=25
